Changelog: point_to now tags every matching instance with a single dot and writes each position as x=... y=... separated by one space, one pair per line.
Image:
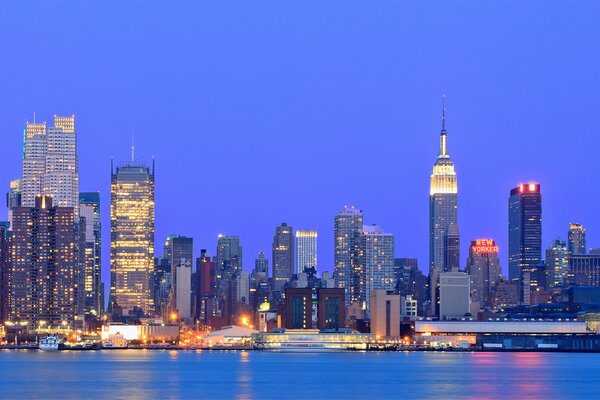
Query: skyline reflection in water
x=134 y=374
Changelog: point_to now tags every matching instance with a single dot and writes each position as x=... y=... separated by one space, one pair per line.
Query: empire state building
x=444 y=241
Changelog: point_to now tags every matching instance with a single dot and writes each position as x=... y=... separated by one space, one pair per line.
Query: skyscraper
x=132 y=237
x=13 y=198
x=577 y=240
x=306 y=250
x=378 y=261
x=42 y=290
x=524 y=236
x=443 y=212
x=347 y=266
x=557 y=263
x=91 y=268
x=181 y=254
x=283 y=255
x=229 y=262
x=50 y=163
x=483 y=267
x=452 y=252
x=4 y=273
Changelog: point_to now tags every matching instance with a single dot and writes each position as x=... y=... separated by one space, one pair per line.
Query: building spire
x=132 y=138
x=443 y=137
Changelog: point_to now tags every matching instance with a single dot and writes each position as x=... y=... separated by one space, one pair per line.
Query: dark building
x=524 y=236
x=584 y=270
x=331 y=311
x=581 y=295
x=228 y=263
x=90 y=252
x=576 y=239
x=483 y=267
x=452 y=249
x=297 y=313
x=410 y=281
x=43 y=265
x=283 y=255
x=4 y=273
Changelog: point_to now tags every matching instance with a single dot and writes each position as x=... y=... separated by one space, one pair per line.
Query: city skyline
x=404 y=143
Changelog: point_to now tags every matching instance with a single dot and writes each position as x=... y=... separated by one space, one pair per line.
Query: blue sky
x=260 y=113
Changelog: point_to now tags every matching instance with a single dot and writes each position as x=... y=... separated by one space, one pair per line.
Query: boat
x=49 y=343
x=116 y=341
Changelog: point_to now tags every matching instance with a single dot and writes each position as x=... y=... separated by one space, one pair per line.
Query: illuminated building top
x=443 y=179
x=484 y=246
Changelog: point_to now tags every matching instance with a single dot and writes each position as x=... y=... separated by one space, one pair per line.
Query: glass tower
x=346 y=262
x=306 y=250
x=524 y=236
x=577 y=240
x=132 y=237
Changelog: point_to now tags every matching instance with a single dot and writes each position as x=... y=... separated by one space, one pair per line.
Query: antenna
x=443 y=112
x=34 y=117
x=132 y=138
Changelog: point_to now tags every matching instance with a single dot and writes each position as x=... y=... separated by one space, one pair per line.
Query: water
x=135 y=374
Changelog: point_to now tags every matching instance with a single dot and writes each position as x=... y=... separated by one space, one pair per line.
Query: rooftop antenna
x=443 y=112
x=132 y=139
x=34 y=117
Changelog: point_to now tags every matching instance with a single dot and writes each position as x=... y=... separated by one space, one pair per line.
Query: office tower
x=524 y=236
x=452 y=252
x=132 y=237
x=347 y=269
x=331 y=309
x=42 y=290
x=183 y=288
x=505 y=294
x=181 y=253
x=557 y=263
x=410 y=281
x=483 y=267
x=306 y=250
x=206 y=274
x=443 y=212
x=577 y=240
x=298 y=308
x=91 y=264
x=259 y=282
x=243 y=287
x=385 y=314
x=378 y=262
x=584 y=269
x=261 y=265
x=229 y=261
x=4 y=273
x=454 y=295
x=13 y=198
x=283 y=255
x=50 y=163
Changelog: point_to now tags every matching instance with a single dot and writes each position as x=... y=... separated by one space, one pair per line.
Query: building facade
x=443 y=213
x=483 y=267
x=524 y=236
x=306 y=250
x=385 y=313
x=455 y=293
x=91 y=249
x=132 y=237
x=378 y=261
x=348 y=270
x=43 y=261
x=557 y=263
x=283 y=255
x=577 y=239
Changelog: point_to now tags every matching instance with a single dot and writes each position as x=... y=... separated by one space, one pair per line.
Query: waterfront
x=138 y=374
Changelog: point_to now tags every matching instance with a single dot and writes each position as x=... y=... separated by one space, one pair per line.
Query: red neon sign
x=484 y=246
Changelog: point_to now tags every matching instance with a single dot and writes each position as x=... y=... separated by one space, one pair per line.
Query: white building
x=50 y=163
x=183 y=294
x=455 y=295
x=243 y=287
x=306 y=250
x=378 y=261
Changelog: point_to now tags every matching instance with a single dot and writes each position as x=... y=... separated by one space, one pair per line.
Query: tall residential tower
x=347 y=267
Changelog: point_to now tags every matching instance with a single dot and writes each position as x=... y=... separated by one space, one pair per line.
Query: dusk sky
x=270 y=112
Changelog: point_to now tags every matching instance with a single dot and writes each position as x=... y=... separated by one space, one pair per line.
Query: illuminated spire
x=443 y=138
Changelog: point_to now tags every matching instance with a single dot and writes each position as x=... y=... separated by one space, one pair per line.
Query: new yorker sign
x=484 y=246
